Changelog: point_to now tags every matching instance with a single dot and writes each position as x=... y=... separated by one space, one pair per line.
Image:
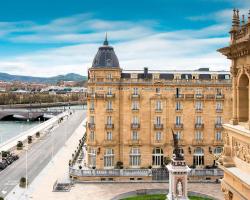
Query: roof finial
x=106 y=43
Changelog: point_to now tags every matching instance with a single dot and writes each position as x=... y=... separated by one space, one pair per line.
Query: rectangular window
x=178 y=134
x=135 y=105
x=178 y=105
x=92 y=136
x=92 y=157
x=158 y=136
x=218 y=120
x=198 y=120
x=135 y=120
x=158 y=120
x=219 y=105
x=198 y=105
x=92 y=105
x=92 y=120
x=178 y=120
x=109 y=158
x=109 y=120
x=135 y=157
x=109 y=105
x=198 y=91
x=157 y=90
x=198 y=135
x=109 y=90
x=218 y=136
x=135 y=91
x=109 y=135
x=135 y=135
x=158 y=105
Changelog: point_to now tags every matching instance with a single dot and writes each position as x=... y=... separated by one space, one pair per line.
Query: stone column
x=235 y=118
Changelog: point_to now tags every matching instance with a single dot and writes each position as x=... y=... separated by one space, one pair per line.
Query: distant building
x=131 y=114
x=235 y=160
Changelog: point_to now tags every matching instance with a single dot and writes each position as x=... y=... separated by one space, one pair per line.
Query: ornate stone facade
x=235 y=160
x=131 y=114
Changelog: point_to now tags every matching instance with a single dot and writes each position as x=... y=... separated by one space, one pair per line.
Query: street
x=39 y=154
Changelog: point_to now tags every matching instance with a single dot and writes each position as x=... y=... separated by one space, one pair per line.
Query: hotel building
x=235 y=160
x=131 y=114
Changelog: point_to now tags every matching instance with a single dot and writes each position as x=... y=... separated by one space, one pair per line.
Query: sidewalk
x=57 y=169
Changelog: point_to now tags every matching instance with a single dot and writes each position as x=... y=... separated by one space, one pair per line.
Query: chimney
x=145 y=72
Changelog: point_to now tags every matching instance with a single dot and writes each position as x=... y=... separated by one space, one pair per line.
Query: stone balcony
x=134 y=142
x=199 y=96
x=198 y=142
x=179 y=96
x=92 y=110
x=91 y=126
x=109 y=142
x=158 y=110
x=199 y=110
x=135 y=109
x=219 y=96
x=135 y=126
x=199 y=126
x=109 y=126
x=110 y=96
x=179 y=110
x=218 y=126
x=219 y=110
x=218 y=142
x=158 y=126
x=135 y=96
x=178 y=126
x=181 y=142
x=109 y=110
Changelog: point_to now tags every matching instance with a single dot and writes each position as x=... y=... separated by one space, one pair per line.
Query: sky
x=51 y=37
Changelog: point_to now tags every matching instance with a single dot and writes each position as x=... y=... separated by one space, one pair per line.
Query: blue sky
x=45 y=38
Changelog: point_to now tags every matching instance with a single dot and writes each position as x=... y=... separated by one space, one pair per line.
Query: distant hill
x=53 y=79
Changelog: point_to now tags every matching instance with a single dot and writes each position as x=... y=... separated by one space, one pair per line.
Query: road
x=39 y=154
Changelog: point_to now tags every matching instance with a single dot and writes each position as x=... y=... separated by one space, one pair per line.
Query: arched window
x=92 y=157
x=157 y=157
x=198 y=157
x=218 y=151
x=135 y=157
x=109 y=158
x=243 y=107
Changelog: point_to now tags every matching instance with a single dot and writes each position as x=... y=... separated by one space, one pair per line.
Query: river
x=9 y=129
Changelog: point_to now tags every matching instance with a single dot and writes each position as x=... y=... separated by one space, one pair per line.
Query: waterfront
x=9 y=129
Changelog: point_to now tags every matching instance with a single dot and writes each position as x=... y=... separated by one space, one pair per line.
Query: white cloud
x=137 y=45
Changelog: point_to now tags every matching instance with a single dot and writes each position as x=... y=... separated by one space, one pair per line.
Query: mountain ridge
x=33 y=79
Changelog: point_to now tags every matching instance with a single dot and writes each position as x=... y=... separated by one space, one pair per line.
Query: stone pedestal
x=178 y=172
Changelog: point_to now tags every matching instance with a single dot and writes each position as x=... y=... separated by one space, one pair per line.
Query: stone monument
x=178 y=172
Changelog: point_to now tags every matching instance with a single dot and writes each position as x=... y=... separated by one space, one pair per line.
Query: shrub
x=19 y=145
x=22 y=182
x=119 y=165
x=80 y=167
x=150 y=167
x=5 y=154
x=29 y=139
x=37 y=134
x=167 y=160
x=1 y=198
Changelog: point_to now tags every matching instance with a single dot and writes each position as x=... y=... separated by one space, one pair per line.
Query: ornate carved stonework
x=241 y=150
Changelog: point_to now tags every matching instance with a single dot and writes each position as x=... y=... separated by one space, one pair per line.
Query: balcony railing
x=218 y=142
x=199 y=96
x=219 y=96
x=178 y=110
x=219 y=110
x=109 y=126
x=178 y=126
x=92 y=109
x=135 y=125
x=158 y=110
x=158 y=126
x=218 y=126
x=198 y=110
x=91 y=125
x=109 y=110
x=199 y=126
x=95 y=95
x=135 y=109
x=134 y=142
x=109 y=95
x=189 y=96
x=109 y=143
x=110 y=172
x=135 y=96
x=179 y=96
x=198 y=142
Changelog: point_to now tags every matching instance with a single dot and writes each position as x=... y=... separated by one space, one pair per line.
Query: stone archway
x=243 y=94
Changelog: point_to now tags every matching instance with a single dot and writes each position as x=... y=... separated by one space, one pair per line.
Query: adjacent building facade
x=235 y=160
x=131 y=114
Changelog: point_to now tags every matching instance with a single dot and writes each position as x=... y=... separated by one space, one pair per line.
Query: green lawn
x=159 y=197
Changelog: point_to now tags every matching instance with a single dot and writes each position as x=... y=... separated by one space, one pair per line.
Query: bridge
x=27 y=114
